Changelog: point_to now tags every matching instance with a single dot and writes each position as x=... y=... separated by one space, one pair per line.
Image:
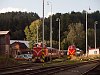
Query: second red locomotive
x=71 y=50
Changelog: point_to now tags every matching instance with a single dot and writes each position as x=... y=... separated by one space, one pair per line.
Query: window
x=95 y=52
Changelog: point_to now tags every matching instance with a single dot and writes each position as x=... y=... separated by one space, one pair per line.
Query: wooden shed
x=17 y=48
x=4 y=42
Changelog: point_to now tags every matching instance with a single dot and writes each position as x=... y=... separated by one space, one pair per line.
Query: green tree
x=31 y=32
x=91 y=37
x=16 y=23
x=80 y=35
x=76 y=35
x=71 y=37
x=64 y=44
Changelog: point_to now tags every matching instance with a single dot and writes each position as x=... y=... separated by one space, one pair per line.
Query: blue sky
x=61 y=6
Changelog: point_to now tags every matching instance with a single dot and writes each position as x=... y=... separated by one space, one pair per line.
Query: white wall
x=94 y=52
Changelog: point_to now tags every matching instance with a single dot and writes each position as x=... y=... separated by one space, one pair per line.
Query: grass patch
x=7 y=62
x=87 y=58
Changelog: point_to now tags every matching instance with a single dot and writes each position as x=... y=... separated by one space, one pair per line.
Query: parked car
x=79 y=52
x=24 y=57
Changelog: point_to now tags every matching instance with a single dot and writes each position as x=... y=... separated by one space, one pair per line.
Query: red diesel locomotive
x=71 y=50
x=38 y=52
x=40 y=55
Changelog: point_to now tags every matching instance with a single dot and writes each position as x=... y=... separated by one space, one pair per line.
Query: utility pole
x=43 y=36
x=86 y=35
x=96 y=22
x=37 y=34
x=49 y=3
x=43 y=26
x=59 y=31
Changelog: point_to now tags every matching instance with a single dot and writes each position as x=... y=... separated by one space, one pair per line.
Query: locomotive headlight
x=38 y=57
x=33 y=60
x=41 y=60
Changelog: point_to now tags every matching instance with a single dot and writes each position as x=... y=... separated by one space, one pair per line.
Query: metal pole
x=59 y=34
x=50 y=30
x=43 y=24
x=50 y=24
x=51 y=27
x=59 y=31
x=37 y=33
x=86 y=35
x=95 y=32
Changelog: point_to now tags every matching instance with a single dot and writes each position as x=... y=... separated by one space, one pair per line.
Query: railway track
x=22 y=66
x=48 y=70
x=93 y=71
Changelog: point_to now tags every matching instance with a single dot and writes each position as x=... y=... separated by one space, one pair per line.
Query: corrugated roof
x=22 y=41
x=21 y=45
x=4 y=32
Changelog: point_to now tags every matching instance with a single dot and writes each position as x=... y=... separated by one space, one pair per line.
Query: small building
x=22 y=41
x=4 y=42
x=17 y=48
x=94 y=51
